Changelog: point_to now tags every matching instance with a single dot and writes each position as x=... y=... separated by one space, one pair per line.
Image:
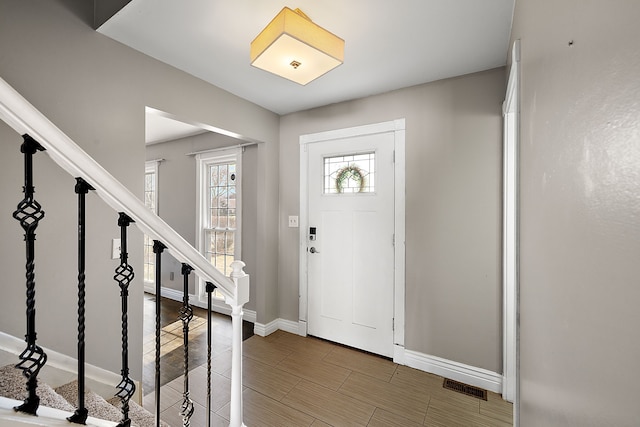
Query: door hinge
x=393 y=240
x=393 y=323
x=394 y=156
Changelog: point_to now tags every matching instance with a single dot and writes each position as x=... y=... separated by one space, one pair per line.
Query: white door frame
x=398 y=127
x=510 y=251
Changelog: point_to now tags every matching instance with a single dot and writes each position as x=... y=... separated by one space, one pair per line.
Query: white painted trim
x=249 y=315
x=263 y=330
x=510 y=234
x=24 y=118
x=399 y=252
x=46 y=416
x=302 y=328
x=398 y=127
x=302 y=234
x=467 y=374
x=204 y=159
x=154 y=166
x=293 y=327
x=205 y=126
x=218 y=305
x=277 y=324
x=213 y=150
x=289 y=326
x=371 y=129
x=398 y=354
x=172 y=294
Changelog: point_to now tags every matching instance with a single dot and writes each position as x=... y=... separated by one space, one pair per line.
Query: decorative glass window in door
x=352 y=173
x=221 y=228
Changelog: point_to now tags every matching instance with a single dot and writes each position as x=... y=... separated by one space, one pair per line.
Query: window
x=221 y=214
x=151 y=202
x=219 y=204
x=352 y=173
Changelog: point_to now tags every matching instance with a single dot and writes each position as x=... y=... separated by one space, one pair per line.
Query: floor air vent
x=469 y=390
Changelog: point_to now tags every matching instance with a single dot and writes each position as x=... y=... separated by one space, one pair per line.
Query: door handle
x=314 y=250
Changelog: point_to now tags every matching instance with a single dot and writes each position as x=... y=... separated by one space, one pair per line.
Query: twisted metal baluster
x=124 y=275
x=210 y=288
x=29 y=213
x=82 y=188
x=186 y=314
x=158 y=248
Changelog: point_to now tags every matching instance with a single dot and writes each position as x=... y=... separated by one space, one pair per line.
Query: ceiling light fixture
x=295 y=48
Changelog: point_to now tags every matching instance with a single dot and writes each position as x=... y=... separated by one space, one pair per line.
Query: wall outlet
x=293 y=221
x=115 y=249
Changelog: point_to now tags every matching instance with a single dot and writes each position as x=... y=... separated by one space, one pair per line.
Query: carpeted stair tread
x=14 y=386
x=65 y=397
x=138 y=414
x=97 y=406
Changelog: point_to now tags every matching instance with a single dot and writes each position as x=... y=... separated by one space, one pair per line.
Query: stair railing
x=29 y=212
x=41 y=135
x=124 y=275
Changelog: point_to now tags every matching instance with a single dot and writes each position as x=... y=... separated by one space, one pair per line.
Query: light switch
x=293 y=221
x=115 y=249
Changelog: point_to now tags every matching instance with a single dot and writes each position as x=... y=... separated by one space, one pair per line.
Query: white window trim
x=153 y=166
x=203 y=160
x=510 y=244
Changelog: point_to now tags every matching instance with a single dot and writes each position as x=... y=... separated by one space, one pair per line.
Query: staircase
x=64 y=398
x=40 y=135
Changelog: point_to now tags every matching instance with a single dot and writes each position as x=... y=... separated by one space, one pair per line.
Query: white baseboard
x=289 y=326
x=278 y=324
x=436 y=365
x=218 y=306
x=263 y=330
x=467 y=374
x=302 y=328
x=398 y=354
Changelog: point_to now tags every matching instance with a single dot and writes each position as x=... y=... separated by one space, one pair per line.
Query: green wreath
x=352 y=172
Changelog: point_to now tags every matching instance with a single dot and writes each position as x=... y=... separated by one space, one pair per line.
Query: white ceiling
x=388 y=44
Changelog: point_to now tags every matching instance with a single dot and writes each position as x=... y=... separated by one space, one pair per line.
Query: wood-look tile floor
x=172 y=338
x=295 y=381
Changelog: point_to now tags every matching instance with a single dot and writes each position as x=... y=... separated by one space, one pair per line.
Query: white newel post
x=241 y=280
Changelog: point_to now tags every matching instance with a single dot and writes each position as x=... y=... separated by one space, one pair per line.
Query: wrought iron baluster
x=186 y=314
x=81 y=189
x=124 y=275
x=29 y=213
x=210 y=288
x=158 y=248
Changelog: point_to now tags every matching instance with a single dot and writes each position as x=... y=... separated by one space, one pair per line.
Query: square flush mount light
x=295 y=48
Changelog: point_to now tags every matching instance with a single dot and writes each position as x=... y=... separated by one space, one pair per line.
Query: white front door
x=350 y=241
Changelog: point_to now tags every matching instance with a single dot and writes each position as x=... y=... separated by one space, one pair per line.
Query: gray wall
x=453 y=210
x=177 y=199
x=580 y=204
x=96 y=90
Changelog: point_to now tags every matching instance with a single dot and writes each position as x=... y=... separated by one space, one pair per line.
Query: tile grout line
x=424 y=420
x=343 y=382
